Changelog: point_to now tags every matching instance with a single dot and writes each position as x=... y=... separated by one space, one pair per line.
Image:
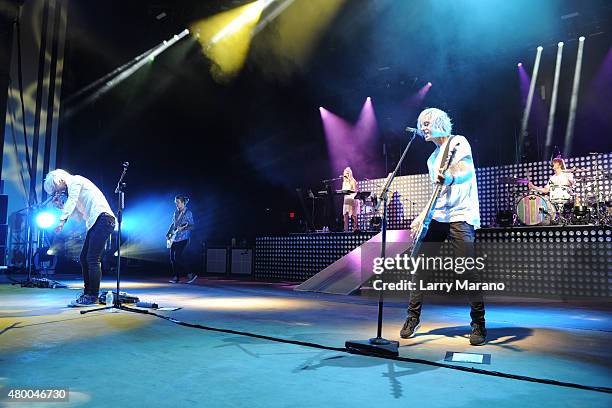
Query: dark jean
x=91 y=254
x=177 y=264
x=461 y=236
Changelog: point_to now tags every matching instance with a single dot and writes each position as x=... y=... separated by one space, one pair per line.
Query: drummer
x=562 y=177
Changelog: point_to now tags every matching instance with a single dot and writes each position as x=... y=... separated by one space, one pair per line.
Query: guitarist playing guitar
x=452 y=213
x=177 y=238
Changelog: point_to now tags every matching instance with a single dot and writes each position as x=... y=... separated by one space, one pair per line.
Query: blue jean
x=91 y=254
x=461 y=236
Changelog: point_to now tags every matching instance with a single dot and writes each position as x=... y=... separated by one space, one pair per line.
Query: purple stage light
x=520 y=64
x=365 y=134
x=353 y=146
x=340 y=146
x=416 y=100
x=422 y=92
x=525 y=81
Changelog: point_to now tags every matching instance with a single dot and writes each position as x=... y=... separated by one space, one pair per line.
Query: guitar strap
x=177 y=220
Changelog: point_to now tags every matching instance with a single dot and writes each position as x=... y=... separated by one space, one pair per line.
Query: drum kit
x=580 y=204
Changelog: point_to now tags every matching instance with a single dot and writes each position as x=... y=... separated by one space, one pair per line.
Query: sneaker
x=174 y=280
x=192 y=277
x=84 y=300
x=479 y=333
x=410 y=326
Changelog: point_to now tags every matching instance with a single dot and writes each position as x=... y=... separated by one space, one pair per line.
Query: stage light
x=368 y=98
x=520 y=64
x=109 y=81
x=581 y=38
x=226 y=37
x=527 y=111
x=50 y=252
x=429 y=84
x=46 y=220
x=569 y=131
x=553 y=102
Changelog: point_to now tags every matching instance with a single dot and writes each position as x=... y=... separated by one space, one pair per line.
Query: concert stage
x=266 y=345
x=548 y=261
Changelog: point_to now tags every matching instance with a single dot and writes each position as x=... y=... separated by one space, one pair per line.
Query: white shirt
x=348 y=185
x=458 y=202
x=85 y=200
x=562 y=179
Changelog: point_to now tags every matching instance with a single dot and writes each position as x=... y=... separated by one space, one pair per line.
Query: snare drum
x=534 y=209
x=560 y=194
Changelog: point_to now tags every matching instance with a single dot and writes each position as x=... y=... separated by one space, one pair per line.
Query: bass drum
x=534 y=209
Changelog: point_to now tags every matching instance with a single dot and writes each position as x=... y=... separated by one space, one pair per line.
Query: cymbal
x=585 y=178
x=576 y=170
x=522 y=181
x=513 y=180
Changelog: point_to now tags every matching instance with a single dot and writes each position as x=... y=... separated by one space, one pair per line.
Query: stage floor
x=142 y=360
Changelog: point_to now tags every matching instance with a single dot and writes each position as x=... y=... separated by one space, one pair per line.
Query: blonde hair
x=54 y=180
x=350 y=173
x=440 y=121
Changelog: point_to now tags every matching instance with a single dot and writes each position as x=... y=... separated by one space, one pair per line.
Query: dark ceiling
x=242 y=147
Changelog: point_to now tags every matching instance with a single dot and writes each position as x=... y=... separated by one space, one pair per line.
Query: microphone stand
x=379 y=345
x=119 y=190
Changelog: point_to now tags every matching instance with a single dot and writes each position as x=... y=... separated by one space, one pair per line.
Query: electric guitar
x=422 y=231
x=172 y=235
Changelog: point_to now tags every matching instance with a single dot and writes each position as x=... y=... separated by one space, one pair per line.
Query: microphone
x=415 y=130
x=126 y=164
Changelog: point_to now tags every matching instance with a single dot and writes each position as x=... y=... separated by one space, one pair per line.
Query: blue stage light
x=46 y=220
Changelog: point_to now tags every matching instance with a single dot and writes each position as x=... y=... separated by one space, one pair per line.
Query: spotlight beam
x=125 y=71
x=569 y=131
x=108 y=76
x=553 y=102
x=527 y=111
x=239 y=22
x=272 y=15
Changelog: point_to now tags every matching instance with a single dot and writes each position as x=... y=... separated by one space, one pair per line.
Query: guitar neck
x=422 y=231
x=426 y=220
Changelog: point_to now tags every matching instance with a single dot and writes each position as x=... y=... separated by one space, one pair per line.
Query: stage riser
x=545 y=268
x=409 y=194
x=298 y=257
